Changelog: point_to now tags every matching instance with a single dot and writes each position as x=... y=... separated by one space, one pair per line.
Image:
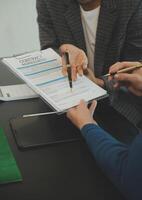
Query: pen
x=69 y=70
x=129 y=69
x=42 y=114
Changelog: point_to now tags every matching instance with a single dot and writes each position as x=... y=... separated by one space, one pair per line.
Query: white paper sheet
x=16 y=92
x=42 y=72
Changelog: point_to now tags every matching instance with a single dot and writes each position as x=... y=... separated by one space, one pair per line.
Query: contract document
x=41 y=71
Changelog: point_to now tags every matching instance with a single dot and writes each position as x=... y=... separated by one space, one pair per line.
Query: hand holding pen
x=128 y=74
x=123 y=67
x=78 y=60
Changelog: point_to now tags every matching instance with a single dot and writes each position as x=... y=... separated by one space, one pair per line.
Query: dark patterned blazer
x=119 y=34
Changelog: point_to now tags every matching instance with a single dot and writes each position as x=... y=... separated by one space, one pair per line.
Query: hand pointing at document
x=78 y=62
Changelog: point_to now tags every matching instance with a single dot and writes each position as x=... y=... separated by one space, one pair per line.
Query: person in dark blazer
x=118 y=37
x=119 y=30
x=121 y=162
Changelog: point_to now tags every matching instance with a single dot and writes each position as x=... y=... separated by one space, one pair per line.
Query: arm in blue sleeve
x=120 y=162
x=108 y=152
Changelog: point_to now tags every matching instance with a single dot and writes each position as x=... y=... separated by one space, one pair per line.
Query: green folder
x=9 y=171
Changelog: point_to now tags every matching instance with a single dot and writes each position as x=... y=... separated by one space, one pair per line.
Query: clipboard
x=42 y=72
x=44 y=130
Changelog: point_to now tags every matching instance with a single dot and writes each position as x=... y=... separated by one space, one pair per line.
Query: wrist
x=81 y=125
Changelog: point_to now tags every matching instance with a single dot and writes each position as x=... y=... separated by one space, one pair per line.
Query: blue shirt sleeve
x=120 y=162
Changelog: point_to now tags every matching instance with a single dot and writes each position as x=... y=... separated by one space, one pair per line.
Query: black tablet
x=43 y=130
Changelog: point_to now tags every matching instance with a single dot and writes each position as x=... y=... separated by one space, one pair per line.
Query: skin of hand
x=79 y=63
x=81 y=115
x=133 y=81
x=91 y=76
x=78 y=60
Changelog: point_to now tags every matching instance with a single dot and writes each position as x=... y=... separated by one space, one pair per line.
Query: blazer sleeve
x=47 y=33
x=120 y=162
x=133 y=45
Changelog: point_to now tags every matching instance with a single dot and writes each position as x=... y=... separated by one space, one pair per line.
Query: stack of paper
x=16 y=92
x=42 y=72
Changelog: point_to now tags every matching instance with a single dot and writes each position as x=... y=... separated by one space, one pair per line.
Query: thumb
x=82 y=104
x=85 y=63
x=92 y=107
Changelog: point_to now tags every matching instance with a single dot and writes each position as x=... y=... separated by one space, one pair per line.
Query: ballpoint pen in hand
x=128 y=69
x=69 y=70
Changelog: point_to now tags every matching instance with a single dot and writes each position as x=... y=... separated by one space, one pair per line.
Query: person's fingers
x=120 y=65
x=84 y=60
x=82 y=104
x=81 y=60
x=63 y=60
x=125 y=77
x=64 y=68
x=64 y=71
x=77 y=58
x=114 y=68
x=126 y=64
x=66 y=48
x=85 y=63
x=80 y=70
x=74 y=72
x=93 y=107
